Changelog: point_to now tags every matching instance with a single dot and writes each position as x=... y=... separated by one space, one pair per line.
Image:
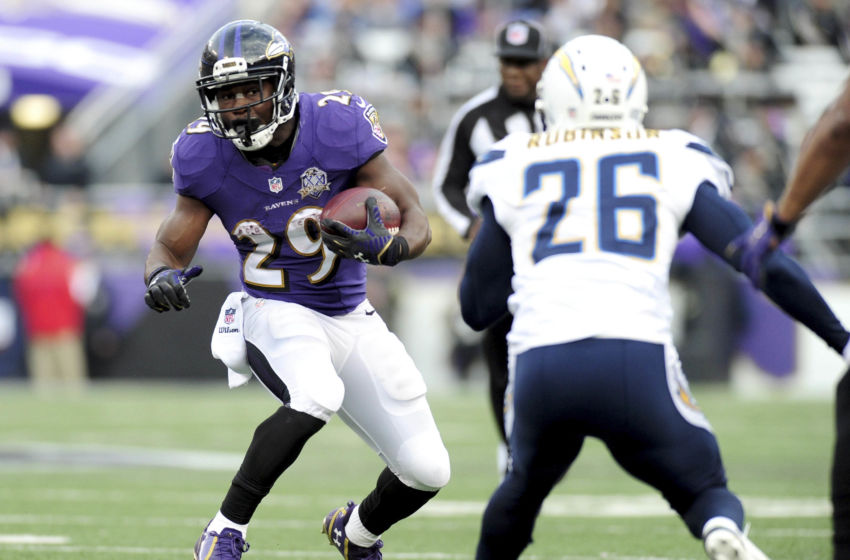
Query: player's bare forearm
x=161 y=256
x=381 y=174
x=824 y=154
x=415 y=229
x=178 y=236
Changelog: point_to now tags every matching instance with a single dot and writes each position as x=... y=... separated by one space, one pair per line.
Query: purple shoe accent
x=334 y=527
x=228 y=545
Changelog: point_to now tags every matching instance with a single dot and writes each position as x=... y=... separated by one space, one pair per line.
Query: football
x=349 y=207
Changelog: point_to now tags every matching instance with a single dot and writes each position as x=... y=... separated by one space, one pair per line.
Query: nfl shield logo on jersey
x=275 y=184
x=229 y=315
x=314 y=181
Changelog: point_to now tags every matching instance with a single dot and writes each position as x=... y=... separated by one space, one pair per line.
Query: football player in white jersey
x=580 y=224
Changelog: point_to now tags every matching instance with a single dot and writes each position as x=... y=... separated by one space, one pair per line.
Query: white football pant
x=354 y=366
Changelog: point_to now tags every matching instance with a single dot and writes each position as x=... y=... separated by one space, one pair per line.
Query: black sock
x=389 y=502
x=277 y=442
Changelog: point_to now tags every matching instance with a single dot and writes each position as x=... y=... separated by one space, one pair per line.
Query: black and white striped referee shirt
x=477 y=125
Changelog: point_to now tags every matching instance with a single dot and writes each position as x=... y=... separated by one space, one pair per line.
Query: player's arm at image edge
x=715 y=222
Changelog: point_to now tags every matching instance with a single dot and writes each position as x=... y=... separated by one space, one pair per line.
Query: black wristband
x=154 y=273
x=397 y=251
x=782 y=229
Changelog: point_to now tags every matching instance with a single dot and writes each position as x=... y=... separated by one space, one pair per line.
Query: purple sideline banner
x=69 y=50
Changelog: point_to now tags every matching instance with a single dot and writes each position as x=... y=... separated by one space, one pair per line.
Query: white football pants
x=354 y=366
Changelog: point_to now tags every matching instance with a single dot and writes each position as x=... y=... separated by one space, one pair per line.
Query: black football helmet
x=248 y=51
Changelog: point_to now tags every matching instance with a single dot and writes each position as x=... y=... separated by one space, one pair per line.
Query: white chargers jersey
x=586 y=209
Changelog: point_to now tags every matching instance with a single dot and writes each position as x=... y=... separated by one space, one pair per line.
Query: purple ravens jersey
x=266 y=210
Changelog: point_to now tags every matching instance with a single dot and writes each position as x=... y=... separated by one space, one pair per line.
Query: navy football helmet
x=241 y=52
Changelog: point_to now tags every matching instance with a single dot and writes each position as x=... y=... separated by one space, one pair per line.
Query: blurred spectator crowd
x=713 y=65
x=748 y=76
x=731 y=71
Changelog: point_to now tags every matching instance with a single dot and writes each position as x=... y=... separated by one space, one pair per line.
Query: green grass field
x=135 y=472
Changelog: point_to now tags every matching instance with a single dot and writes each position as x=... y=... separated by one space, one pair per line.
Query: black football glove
x=373 y=244
x=167 y=288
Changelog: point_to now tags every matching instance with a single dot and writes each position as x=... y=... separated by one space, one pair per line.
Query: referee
x=523 y=51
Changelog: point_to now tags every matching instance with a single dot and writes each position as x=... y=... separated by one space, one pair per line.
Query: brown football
x=349 y=207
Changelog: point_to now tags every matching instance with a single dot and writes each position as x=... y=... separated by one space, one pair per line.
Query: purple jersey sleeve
x=346 y=126
x=198 y=160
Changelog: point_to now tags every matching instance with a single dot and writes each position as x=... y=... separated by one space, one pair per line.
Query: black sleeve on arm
x=715 y=222
x=486 y=282
x=456 y=178
x=788 y=285
x=454 y=186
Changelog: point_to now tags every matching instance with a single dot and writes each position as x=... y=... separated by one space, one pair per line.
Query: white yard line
x=33 y=539
x=640 y=505
x=46 y=455
x=559 y=506
x=75 y=520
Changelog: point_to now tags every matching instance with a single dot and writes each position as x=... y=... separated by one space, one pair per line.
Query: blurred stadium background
x=93 y=92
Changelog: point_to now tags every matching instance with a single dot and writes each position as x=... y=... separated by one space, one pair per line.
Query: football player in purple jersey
x=265 y=160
